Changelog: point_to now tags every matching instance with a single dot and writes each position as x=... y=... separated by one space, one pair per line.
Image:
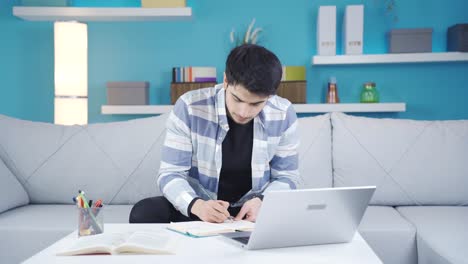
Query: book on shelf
x=193 y=74
x=139 y=242
x=203 y=229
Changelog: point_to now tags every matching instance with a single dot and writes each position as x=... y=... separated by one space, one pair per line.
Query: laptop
x=302 y=217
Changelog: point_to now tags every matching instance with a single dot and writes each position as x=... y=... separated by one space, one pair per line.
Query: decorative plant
x=251 y=35
x=390 y=8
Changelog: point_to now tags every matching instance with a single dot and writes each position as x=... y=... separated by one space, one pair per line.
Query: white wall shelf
x=391 y=58
x=85 y=14
x=350 y=108
x=135 y=109
x=300 y=108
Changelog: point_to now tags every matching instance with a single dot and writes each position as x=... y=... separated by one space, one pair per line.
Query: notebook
x=203 y=229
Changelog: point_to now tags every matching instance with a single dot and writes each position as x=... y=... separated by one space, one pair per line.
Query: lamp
x=71 y=73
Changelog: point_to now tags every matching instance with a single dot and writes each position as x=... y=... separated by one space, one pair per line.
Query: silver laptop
x=306 y=217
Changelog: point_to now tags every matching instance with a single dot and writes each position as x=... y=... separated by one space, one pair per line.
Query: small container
x=332 y=94
x=90 y=221
x=369 y=93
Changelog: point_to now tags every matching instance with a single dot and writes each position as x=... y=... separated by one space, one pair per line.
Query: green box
x=294 y=73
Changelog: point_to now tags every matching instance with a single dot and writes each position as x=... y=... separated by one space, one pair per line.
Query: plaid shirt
x=191 y=156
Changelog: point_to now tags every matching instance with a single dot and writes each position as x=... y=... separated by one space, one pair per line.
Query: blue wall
x=121 y=51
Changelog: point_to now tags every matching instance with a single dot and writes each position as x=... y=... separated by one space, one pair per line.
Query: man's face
x=242 y=105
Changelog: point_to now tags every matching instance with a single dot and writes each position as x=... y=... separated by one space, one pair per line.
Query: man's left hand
x=249 y=210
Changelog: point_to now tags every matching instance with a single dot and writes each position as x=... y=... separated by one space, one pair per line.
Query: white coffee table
x=215 y=250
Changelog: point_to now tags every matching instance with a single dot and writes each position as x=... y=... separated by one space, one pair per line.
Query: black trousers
x=159 y=210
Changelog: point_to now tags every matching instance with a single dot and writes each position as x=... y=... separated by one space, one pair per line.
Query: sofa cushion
x=12 y=193
x=314 y=151
x=117 y=162
x=35 y=227
x=442 y=233
x=391 y=237
x=410 y=162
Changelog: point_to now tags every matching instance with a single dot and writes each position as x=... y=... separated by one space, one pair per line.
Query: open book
x=201 y=229
x=140 y=242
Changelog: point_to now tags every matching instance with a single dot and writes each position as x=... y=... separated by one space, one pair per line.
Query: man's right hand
x=214 y=211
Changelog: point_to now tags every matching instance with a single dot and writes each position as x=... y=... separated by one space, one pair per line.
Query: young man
x=226 y=145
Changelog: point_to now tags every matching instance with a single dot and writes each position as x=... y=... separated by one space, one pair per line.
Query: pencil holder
x=90 y=221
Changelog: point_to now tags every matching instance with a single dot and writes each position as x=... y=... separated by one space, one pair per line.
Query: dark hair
x=255 y=68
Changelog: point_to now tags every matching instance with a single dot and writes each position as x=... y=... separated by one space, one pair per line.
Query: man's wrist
x=189 y=209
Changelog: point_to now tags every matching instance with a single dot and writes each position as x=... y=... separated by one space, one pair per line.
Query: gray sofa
x=418 y=214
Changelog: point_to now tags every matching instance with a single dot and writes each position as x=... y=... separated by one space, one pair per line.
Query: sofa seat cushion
x=442 y=232
x=391 y=237
x=35 y=227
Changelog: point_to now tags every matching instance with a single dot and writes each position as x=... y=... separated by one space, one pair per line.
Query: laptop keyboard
x=243 y=240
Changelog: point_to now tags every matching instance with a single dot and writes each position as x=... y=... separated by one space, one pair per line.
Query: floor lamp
x=71 y=73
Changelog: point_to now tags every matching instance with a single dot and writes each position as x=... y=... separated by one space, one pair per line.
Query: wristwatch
x=258 y=195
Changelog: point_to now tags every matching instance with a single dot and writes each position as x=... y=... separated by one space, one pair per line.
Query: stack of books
x=163 y=3
x=186 y=79
x=193 y=74
x=106 y=3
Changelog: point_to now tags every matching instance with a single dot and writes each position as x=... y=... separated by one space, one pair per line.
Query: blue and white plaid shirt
x=191 y=156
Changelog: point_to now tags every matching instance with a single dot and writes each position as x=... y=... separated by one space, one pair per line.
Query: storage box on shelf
x=294 y=91
x=128 y=93
x=457 y=38
x=179 y=88
x=410 y=40
x=45 y=2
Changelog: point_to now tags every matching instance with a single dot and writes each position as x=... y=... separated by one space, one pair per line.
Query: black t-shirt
x=236 y=172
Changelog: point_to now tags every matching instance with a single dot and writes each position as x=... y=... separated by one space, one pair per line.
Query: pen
x=76 y=201
x=98 y=203
x=79 y=201
x=97 y=207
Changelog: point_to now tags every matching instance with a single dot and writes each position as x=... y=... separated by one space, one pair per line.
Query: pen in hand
x=225 y=205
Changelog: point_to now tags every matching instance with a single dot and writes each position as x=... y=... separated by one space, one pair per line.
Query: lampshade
x=71 y=73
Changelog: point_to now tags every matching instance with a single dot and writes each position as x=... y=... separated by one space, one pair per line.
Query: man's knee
x=151 y=210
